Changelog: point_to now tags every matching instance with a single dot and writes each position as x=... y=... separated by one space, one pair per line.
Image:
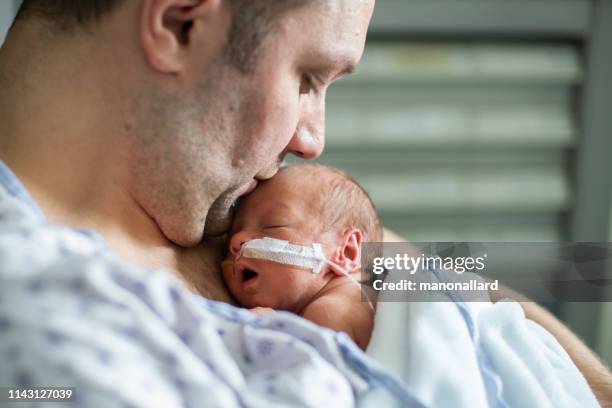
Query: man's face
x=284 y=99
x=236 y=127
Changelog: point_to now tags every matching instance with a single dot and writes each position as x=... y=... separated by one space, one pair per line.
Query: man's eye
x=306 y=84
x=274 y=226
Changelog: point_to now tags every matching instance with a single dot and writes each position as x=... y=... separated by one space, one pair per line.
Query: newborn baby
x=306 y=204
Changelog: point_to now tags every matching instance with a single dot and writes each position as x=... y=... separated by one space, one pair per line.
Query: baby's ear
x=348 y=255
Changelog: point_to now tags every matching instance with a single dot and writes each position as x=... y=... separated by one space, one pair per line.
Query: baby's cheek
x=226 y=270
x=297 y=283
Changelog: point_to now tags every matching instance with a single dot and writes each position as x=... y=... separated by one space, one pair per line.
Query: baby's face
x=279 y=208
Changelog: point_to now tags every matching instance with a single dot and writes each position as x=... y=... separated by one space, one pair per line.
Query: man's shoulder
x=74 y=314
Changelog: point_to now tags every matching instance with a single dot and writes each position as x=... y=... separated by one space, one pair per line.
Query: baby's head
x=302 y=204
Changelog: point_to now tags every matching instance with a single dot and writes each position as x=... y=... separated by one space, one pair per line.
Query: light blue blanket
x=73 y=314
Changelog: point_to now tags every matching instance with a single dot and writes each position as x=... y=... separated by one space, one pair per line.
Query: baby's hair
x=343 y=203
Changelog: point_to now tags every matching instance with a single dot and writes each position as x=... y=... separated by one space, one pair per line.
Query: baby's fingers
x=261 y=310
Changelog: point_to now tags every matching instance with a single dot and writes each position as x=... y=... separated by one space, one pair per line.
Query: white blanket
x=478 y=354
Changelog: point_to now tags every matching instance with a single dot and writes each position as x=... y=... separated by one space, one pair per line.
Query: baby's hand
x=260 y=311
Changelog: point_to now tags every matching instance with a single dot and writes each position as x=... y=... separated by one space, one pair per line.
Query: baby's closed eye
x=274 y=226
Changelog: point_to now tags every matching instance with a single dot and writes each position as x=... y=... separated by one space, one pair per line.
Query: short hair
x=68 y=14
x=343 y=202
x=252 y=20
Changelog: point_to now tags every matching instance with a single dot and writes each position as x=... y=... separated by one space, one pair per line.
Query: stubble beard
x=207 y=190
x=220 y=215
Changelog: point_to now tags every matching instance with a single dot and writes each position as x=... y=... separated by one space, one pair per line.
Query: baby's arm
x=343 y=314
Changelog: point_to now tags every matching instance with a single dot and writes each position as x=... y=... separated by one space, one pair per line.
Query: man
x=134 y=126
x=145 y=120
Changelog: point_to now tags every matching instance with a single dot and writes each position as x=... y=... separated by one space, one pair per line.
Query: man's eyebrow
x=350 y=69
x=329 y=68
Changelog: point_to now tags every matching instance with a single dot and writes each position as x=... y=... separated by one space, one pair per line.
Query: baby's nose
x=238 y=239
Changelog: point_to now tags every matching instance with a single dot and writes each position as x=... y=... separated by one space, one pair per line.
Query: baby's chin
x=250 y=303
x=258 y=300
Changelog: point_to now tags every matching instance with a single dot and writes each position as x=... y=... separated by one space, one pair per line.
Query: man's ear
x=348 y=255
x=171 y=31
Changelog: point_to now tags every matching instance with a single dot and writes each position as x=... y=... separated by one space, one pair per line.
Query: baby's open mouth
x=248 y=275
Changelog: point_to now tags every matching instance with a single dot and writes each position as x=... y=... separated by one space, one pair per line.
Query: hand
x=260 y=311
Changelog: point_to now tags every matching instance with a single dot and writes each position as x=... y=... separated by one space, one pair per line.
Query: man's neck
x=62 y=132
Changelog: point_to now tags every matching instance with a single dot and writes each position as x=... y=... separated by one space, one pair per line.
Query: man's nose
x=308 y=140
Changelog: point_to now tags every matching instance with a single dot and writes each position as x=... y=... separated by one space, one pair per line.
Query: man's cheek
x=279 y=135
x=287 y=119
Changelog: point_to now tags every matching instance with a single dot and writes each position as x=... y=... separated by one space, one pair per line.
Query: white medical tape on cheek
x=276 y=250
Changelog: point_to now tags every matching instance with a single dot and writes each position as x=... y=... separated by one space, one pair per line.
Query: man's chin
x=220 y=215
x=216 y=228
x=218 y=223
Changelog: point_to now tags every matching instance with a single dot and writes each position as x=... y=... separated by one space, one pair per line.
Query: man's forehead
x=334 y=30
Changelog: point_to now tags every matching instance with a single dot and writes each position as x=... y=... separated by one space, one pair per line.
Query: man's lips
x=263 y=176
x=267 y=174
x=247 y=188
x=250 y=186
